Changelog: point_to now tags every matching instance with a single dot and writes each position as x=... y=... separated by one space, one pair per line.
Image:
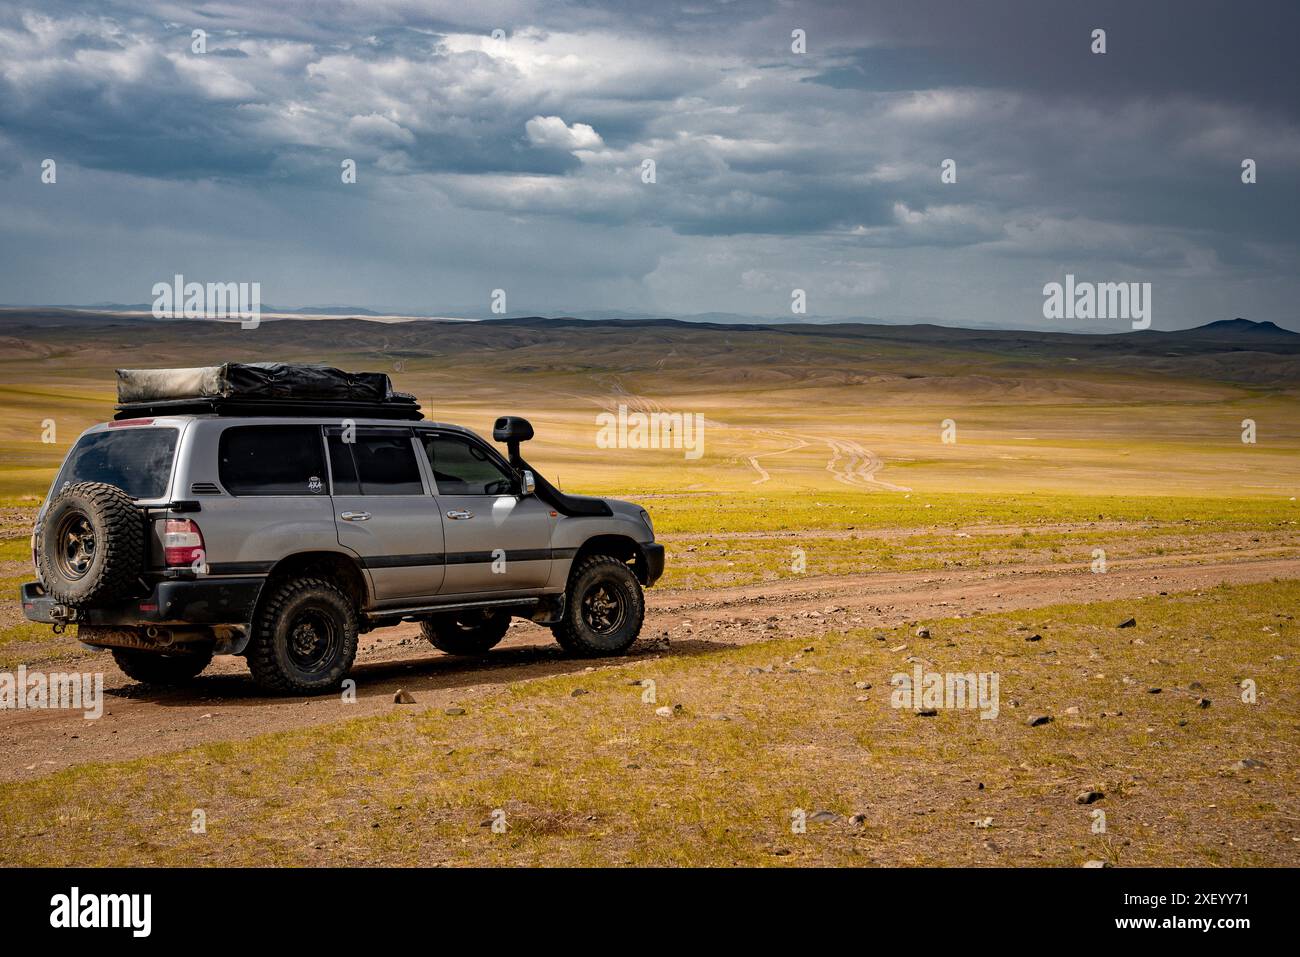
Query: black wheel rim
x=604 y=608
x=314 y=640
x=75 y=546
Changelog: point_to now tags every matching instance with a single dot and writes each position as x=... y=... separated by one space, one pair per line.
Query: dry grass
x=600 y=778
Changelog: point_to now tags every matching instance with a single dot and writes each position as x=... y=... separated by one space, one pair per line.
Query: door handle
x=355 y=516
x=460 y=513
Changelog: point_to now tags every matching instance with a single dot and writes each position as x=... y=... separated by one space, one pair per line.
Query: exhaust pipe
x=162 y=637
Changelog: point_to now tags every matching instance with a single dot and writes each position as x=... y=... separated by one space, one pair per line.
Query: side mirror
x=527 y=483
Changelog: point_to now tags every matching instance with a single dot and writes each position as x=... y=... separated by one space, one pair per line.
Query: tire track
x=849 y=462
x=763 y=474
x=863 y=464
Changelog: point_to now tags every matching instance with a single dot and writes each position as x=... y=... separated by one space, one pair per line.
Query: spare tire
x=91 y=545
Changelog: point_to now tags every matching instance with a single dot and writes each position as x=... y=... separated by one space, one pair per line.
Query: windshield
x=136 y=460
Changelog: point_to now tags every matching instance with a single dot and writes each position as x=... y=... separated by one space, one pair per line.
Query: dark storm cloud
x=1240 y=53
x=821 y=168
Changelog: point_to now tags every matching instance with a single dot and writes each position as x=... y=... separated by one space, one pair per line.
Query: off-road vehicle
x=277 y=511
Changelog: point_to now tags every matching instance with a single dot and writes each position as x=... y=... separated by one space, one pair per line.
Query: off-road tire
x=151 y=668
x=91 y=545
x=576 y=632
x=468 y=632
x=278 y=653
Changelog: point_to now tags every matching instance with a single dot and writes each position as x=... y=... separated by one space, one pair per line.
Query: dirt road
x=224 y=704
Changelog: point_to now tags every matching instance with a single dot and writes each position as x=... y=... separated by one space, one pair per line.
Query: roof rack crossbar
x=401 y=409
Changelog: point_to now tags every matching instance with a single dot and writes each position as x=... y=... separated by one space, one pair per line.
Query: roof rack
x=261 y=388
x=405 y=410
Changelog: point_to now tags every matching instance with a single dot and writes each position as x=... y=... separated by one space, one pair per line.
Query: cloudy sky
x=501 y=144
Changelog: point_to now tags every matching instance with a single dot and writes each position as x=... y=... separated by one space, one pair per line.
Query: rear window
x=272 y=460
x=136 y=460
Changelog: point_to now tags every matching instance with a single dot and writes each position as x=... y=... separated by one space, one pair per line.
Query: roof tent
x=261 y=388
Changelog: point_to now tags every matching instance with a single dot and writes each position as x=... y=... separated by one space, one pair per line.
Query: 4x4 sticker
x=314 y=484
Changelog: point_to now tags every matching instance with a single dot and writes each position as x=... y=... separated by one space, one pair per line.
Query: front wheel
x=304 y=638
x=467 y=632
x=152 y=668
x=604 y=608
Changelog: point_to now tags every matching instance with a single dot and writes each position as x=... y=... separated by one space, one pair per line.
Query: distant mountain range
x=1238 y=351
x=1223 y=329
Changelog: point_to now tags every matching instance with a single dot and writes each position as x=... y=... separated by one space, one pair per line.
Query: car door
x=272 y=500
x=384 y=512
x=495 y=538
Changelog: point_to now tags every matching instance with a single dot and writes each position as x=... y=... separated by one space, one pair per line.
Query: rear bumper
x=654 y=562
x=213 y=601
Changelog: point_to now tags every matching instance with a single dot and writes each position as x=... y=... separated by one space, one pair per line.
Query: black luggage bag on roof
x=261 y=388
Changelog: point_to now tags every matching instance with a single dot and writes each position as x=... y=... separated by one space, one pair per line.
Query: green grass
x=706 y=512
x=27 y=631
x=16 y=549
x=720 y=540
x=701 y=562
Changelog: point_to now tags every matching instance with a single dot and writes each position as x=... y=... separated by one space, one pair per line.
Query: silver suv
x=224 y=524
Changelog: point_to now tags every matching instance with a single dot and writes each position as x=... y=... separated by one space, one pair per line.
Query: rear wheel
x=304 y=638
x=151 y=668
x=604 y=608
x=466 y=632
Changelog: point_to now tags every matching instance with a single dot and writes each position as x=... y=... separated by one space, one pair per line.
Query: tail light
x=182 y=543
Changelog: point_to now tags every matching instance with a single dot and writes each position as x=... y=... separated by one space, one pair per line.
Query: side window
x=385 y=463
x=271 y=460
x=343 y=470
x=462 y=468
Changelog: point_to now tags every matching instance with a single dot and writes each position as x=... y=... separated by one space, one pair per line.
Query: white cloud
x=550 y=132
